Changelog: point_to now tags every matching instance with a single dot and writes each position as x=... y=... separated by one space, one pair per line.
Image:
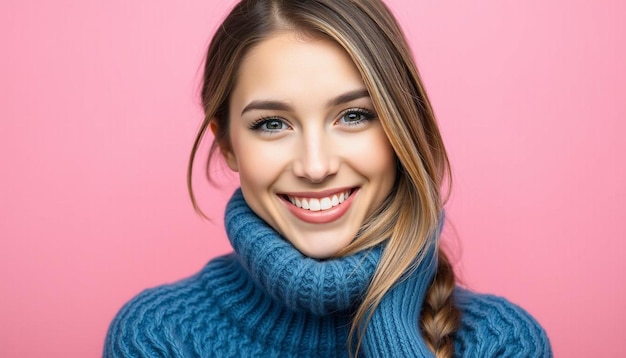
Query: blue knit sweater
x=268 y=300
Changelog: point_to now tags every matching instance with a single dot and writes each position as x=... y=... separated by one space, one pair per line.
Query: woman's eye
x=356 y=116
x=269 y=125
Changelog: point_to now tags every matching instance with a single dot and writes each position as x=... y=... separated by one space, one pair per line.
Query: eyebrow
x=284 y=106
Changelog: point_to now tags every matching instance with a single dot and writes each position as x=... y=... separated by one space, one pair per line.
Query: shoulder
x=491 y=326
x=151 y=324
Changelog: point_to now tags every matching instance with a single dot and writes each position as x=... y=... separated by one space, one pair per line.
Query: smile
x=319 y=204
x=321 y=207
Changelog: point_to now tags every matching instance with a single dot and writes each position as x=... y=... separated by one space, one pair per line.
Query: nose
x=316 y=158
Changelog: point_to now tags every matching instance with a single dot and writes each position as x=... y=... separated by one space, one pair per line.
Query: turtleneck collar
x=300 y=282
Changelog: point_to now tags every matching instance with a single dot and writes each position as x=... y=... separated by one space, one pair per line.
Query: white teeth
x=315 y=204
x=326 y=204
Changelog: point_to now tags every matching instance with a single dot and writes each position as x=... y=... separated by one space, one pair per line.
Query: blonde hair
x=410 y=217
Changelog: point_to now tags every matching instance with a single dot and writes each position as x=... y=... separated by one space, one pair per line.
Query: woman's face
x=312 y=157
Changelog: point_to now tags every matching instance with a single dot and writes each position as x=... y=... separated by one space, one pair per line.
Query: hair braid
x=440 y=317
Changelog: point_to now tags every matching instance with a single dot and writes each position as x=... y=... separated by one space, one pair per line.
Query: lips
x=320 y=207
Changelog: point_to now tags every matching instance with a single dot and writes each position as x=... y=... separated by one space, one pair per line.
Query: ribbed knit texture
x=299 y=282
x=268 y=300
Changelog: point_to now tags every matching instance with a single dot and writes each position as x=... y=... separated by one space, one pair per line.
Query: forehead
x=288 y=64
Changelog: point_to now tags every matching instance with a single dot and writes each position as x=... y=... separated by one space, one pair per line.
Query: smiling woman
x=306 y=125
x=319 y=107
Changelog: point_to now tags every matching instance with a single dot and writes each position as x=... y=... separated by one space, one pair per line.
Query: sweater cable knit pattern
x=268 y=300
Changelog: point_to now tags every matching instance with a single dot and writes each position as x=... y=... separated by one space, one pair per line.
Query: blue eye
x=269 y=125
x=356 y=116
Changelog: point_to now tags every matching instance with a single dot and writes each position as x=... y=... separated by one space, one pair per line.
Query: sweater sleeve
x=491 y=326
x=140 y=330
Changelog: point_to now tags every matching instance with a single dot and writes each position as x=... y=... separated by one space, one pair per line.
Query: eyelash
x=367 y=114
x=258 y=124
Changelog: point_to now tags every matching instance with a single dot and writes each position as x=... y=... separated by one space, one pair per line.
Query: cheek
x=376 y=158
x=259 y=164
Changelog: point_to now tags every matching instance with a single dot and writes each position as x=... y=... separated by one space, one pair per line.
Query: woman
x=318 y=106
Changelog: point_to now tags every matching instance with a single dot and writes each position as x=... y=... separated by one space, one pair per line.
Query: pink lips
x=322 y=216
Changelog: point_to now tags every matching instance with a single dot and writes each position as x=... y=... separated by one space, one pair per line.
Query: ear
x=227 y=153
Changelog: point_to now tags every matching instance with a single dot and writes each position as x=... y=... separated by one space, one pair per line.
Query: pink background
x=99 y=107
